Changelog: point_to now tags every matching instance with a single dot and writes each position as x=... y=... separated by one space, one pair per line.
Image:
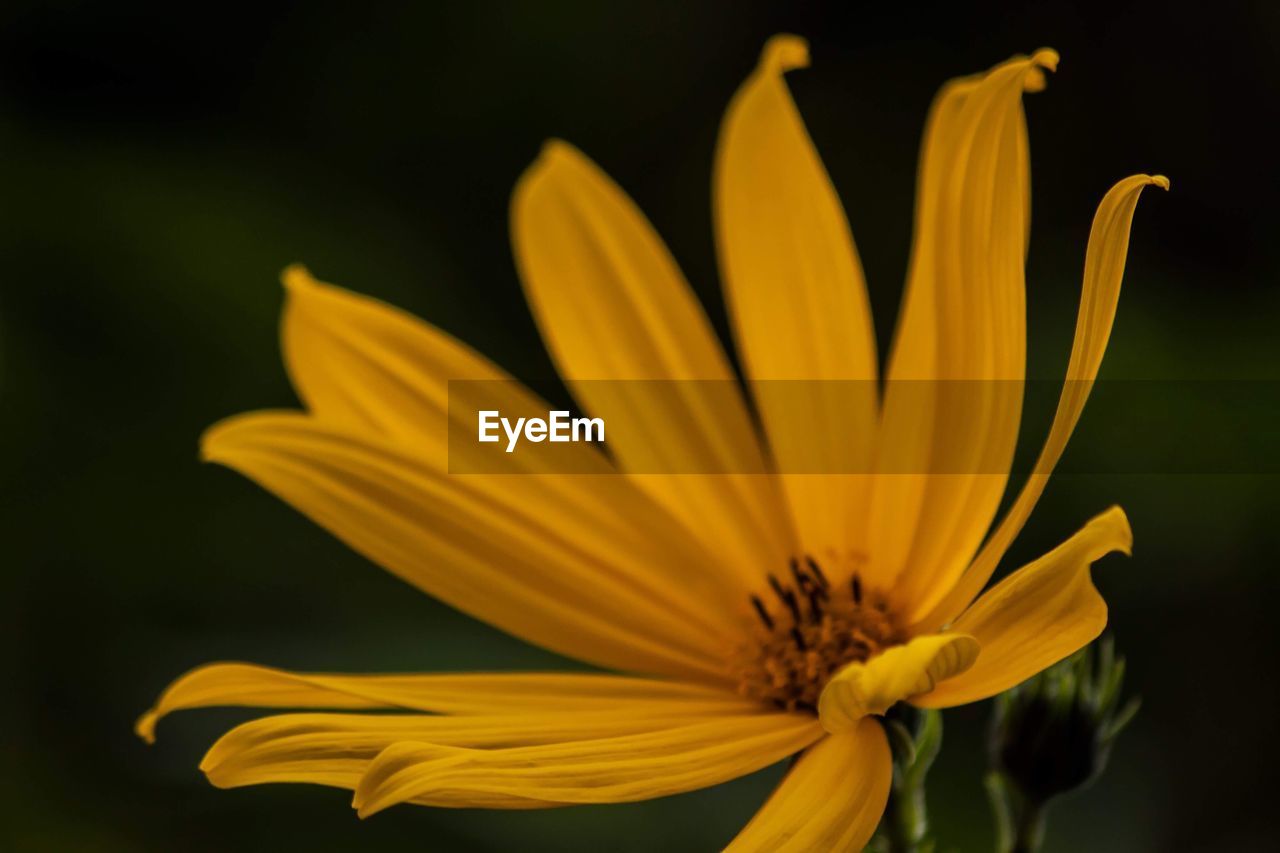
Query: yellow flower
x=758 y=616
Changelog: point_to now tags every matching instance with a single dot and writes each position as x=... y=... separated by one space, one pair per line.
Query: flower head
x=755 y=616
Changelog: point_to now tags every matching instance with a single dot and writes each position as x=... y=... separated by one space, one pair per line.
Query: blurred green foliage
x=160 y=164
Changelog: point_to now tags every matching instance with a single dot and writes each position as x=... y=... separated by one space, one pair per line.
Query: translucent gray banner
x=860 y=427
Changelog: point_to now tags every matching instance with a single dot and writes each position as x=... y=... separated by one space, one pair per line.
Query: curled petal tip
x=145 y=727
x=1116 y=516
x=1047 y=58
x=1160 y=181
x=784 y=52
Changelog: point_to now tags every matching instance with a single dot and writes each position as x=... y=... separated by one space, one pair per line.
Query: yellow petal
x=602 y=770
x=1037 y=616
x=615 y=313
x=1103 y=271
x=369 y=369
x=335 y=749
x=831 y=800
x=797 y=301
x=518 y=552
x=897 y=673
x=954 y=391
x=364 y=365
x=248 y=685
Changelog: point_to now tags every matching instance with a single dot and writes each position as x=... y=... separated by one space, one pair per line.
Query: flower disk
x=807 y=632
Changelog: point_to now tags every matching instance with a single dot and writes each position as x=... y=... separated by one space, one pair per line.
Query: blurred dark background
x=160 y=163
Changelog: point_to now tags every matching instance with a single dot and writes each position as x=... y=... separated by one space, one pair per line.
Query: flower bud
x=1053 y=733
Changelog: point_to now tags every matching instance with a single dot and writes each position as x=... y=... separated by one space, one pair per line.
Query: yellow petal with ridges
x=897 y=673
x=371 y=368
x=1103 y=273
x=600 y=770
x=367 y=368
x=954 y=384
x=797 y=301
x=335 y=749
x=617 y=314
x=1037 y=616
x=456 y=693
x=505 y=550
x=250 y=685
x=831 y=800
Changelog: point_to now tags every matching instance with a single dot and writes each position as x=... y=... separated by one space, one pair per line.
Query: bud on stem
x=1050 y=735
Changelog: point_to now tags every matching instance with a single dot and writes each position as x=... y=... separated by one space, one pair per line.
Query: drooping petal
x=531 y=555
x=831 y=800
x=798 y=302
x=897 y=673
x=953 y=395
x=336 y=749
x=249 y=685
x=1104 y=270
x=616 y=314
x=1037 y=616
x=602 y=770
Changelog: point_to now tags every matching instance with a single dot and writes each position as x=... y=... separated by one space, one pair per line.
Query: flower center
x=807 y=630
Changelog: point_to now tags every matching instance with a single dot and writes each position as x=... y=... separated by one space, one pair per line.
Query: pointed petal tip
x=361 y=802
x=1159 y=181
x=213 y=441
x=784 y=52
x=296 y=277
x=554 y=154
x=556 y=150
x=209 y=442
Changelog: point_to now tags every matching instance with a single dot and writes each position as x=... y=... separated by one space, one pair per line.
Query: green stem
x=1019 y=821
x=906 y=820
x=1030 y=828
x=1001 y=811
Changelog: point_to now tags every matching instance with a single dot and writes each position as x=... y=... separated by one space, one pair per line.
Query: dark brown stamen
x=816 y=570
x=802 y=580
x=815 y=605
x=789 y=598
x=762 y=612
x=799 y=644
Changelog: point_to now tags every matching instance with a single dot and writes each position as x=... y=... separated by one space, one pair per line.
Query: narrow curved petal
x=1037 y=616
x=602 y=770
x=636 y=348
x=249 y=685
x=336 y=749
x=897 y=673
x=953 y=395
x=1103 y=272
x=582 y=580
x=798 y=302
x=832 y=799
